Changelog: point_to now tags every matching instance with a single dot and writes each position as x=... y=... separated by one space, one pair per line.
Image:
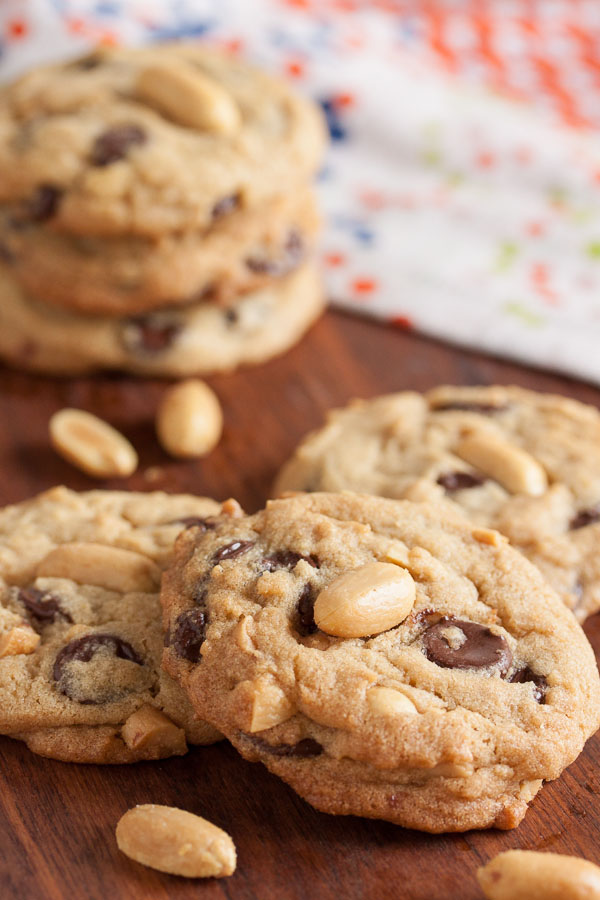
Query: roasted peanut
x=92 y=445
x=189 y=421
x=260 y=705
x=21 y=639
x=189 y=97
x=526 y=875
x=365 y=601
x=109 y=567
x=389 y=702
x=512 y=467
x=150 y=729
x=172 y=840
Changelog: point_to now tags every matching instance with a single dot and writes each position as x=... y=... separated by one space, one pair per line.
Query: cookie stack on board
x=157 y=214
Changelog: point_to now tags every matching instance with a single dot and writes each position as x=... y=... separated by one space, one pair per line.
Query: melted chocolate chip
x=230 y=551
x=480 y=649
x=291 y=256
x=151 y=334
x=113 y=145
x=225 y=206
x=485 y=409
x=44 y=610
x=195 y=522
x=540 y=685
x=286 y=559
x=305 y=612
x=304 y=748
x=189 y=634
x=460 y=481
x=585 y=517
x=83 y=649
x=42 y=204
x=231 y=316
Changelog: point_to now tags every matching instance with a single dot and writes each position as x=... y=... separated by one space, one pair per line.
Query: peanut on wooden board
x=189 y=421
x=175 y=841
x=365 y=601
x=91 y=444
x=528 y=875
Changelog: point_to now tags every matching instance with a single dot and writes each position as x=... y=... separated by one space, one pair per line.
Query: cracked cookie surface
x=448 y=720
x=525 y=463
x=80 y=632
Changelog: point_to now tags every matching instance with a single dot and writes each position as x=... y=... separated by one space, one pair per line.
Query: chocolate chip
x=485 y=409
x=113 y=145
x=305 y=612
x=44 y=610
x=585 y=517
x=195 y=522
x=460 y=481
x=291 y=256
x=231 y=316
x=151 y=334
x=225 y=206
x=83 y=649
x=87 y=63
x=189 y=634
x=6 y=254
x=481 y=647
x=230 y=551
x=42 y=204
x=540 y=685
x=286 y=559
x=304 y=748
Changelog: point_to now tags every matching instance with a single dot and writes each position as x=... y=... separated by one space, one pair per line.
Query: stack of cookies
x=157 y=214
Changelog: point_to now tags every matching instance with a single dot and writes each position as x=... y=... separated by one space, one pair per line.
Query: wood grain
x=57 y=831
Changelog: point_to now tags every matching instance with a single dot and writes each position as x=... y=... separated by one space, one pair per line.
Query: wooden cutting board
x=58 y=820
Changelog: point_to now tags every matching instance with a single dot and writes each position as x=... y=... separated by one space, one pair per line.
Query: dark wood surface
x=57 y=820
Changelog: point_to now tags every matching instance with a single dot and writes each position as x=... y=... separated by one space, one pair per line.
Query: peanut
x=21 y=639
x=365 y=601
x=189 y=421
x=108 y=567
x=149 y=729
x=189 y=98
x=389 y=702
x=526 y=875
x=512 y=467
x=172 y=840
x=260 y=705
x=92 y=445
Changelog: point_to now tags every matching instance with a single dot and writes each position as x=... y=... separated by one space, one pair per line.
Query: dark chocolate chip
x=585 y=517
x=540 y=685
x=151 y=334
x=305 y=612
x=460 y=481
x=113 y=145
x=6 y=254
x=42 y=204
x=230 y=551
x=44 y=610
x=87 y=63
x=189 y=634
x=225 y=206
x=231 y=316
x=480 y=649
x=291 y=256
x=83 y=649
x=286 y=559
x=195 y=522
x=304 y=748
x=485 y=409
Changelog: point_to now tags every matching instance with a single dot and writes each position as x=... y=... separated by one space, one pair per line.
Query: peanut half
x=108 y=567
x=365 y=601
x=261 y=704
x=150 y=730
x=189 y=421
x=389 y=702
x=92 y=445
x=527 y=875
x=187 y=96
x=172 y=840
x=512 y=467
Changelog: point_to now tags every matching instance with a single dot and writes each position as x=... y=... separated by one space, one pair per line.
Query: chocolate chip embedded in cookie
x=383 y=657
x=80 y=625
x=527 y=464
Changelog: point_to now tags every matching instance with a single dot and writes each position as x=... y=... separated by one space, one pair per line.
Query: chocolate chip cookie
x=144 y=141
x=80 y=633
x=385 y=658
x=525 y=463
x=172 y=342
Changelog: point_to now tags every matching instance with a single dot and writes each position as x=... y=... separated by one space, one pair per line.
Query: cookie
x=80 y=630
x=527 y=464
x=152 y=140
x=199 y=338
x=127 y=275
x=383 y=658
